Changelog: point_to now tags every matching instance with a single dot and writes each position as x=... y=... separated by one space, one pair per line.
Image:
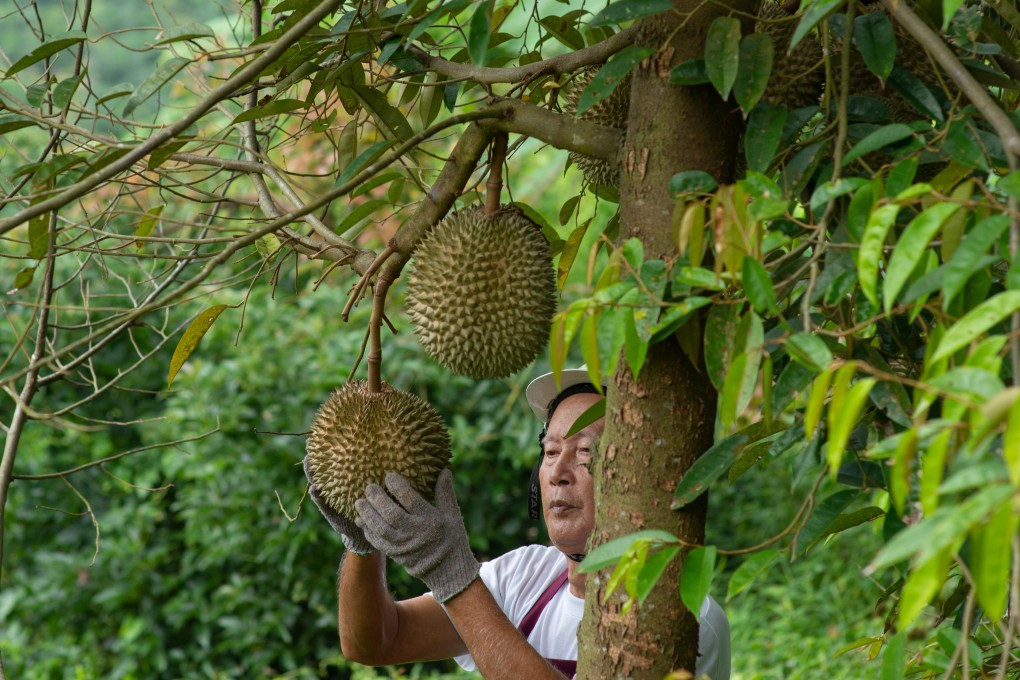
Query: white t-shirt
x=518 y=578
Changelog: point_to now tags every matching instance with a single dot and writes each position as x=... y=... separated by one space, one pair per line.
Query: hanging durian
x=482 y=292
x=797 y=78
x=358 y=436
x=611 y=112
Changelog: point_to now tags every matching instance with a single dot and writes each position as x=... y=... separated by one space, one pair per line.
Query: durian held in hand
x=482 y=292
x=358 y=436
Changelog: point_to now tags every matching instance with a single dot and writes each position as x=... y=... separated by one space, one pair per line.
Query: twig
x=301 y=504
x=359 y=288
x=102 y=461
x=92 y=515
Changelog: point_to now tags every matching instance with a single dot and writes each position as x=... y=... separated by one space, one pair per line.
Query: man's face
x=568 y=492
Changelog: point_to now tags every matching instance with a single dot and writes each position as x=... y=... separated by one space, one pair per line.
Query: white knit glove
x=429 y=541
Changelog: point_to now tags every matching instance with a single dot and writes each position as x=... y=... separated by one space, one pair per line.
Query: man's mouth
x=561 y=506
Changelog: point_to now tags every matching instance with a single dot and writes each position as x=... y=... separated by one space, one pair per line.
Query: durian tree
x=797 y=223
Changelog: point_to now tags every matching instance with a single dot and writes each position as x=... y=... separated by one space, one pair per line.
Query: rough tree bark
x=658 y=425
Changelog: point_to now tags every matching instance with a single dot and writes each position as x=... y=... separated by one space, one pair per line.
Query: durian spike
x=494 y=185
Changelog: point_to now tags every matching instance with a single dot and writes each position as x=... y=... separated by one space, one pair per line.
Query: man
x=513 y=617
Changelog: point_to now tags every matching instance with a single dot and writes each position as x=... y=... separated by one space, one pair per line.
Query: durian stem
x=359 y=287
x=494 y=185
x=382 y=285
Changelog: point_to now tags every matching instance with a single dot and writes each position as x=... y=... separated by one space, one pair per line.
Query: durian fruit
x=359 y=436
x=797 y=78
x=482 y=292
x=611 y=112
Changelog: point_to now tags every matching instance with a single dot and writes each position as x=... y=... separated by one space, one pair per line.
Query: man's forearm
x=367 y=614
x=498 y=648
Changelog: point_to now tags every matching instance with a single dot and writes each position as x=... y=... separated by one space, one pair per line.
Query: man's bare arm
x=498 y=648
x=375 y=630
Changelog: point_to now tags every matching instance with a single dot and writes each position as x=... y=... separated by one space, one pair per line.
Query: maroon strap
x=531 y=618
x=565 y=666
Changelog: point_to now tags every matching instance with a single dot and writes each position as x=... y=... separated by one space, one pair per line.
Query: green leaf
x=590 y=415
x=842 y=419
x=949 y=8
x=610 y=552
x=267 y=245
x=11 y=122
x=38 y=236
x=569 y=252
x=708 y=468
x=650 y=573
x=758 y=286
x=809 y=350
x=722 y=53
x=47 y=49
x=362 y=161
x=692 y=181
x=764 y=133
x=190 y=31
x=690 y=72
x=916 y=93
x=1011 y=444
x=273 y=108
x=912 y=245
x=977 y=321
x=947 y=525
x=634 y=347
x=65 y=90
x=700 y=277
x=892 y=657
x=160 y=77
x=753 y=69
x=389 y=118
x=880 y=138
x=827 y=191
x=823 y=517
x=753 y=567
x=148 y=223
x=610 y=76
x=192 y=336
x=629 y=10
x=720 y=341
x=23 y=278
x=876 y=40
x=869 y=256
x=741 y=378
x=921 y=585
x=478 y=33
x=815 y=12
x=990 y=560
x=696 y=578
x=966 y=259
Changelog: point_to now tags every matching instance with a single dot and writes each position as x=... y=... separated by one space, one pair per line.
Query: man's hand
x=428 y=540
x=353 y=538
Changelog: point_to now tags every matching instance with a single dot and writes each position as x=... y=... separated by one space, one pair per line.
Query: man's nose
x=563 y=469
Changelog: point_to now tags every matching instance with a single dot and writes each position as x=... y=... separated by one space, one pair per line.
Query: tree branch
x=226 y=89
x=557 y=129
x=565 y=63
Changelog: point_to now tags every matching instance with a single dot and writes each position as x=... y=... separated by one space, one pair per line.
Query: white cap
x=542 y=390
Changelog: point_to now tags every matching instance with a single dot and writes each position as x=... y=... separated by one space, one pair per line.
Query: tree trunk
x=658 y=425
